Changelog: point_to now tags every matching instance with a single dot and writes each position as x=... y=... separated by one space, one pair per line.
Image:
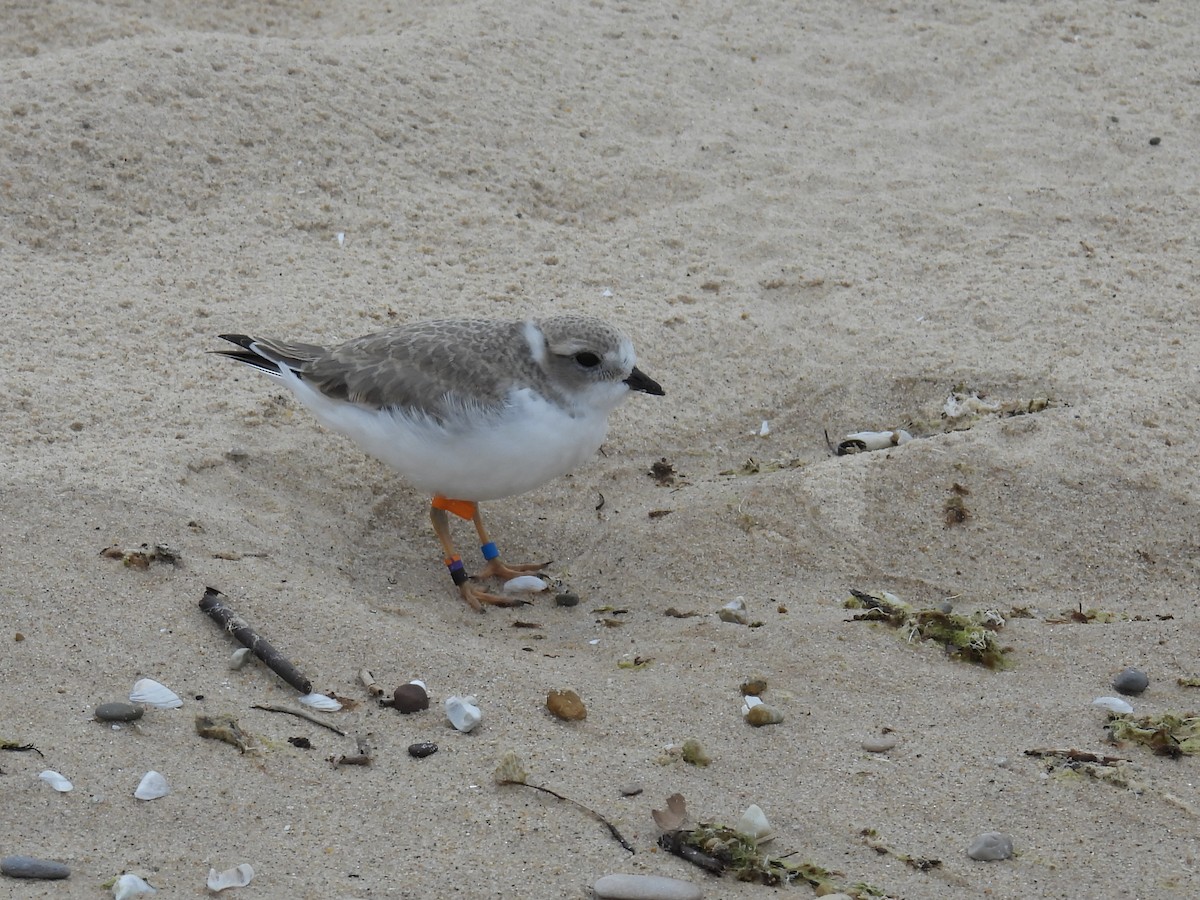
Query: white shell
x=748 y=703
x=236 y=877
x=419 y=683
x=463 y=713
x=524 y=584
x=734 y=611
x=128 y=886
x=56 y=781
x=239 y=658
x=764 y=430
x=152 y=786
x=150 y=692
x=880 y=440
x=754 y=825
x=320 y=702
x=1113 y=704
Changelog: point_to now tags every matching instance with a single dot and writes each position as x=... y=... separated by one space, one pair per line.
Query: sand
x=826 y=218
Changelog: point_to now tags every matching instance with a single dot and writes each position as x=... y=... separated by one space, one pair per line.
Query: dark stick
x=213 y=605
x=612 y=829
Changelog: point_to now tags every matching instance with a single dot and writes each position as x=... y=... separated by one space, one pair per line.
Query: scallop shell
x=754 y=825
x=152 y=786
x=1113 y=704
x=56 y=781
x=151 y=693
x=525 y=584
x=463 y=713
x=128 y=886
x=236 y=877
x=320 y=702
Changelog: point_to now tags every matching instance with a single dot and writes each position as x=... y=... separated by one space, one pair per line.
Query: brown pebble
x=566 y=705
x=754 y=687
x=409 y=698
x=763 y=715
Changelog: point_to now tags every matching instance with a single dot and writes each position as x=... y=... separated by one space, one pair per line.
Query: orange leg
x=475 y=597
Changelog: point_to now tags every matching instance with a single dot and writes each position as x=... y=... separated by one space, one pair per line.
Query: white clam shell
x=1113 y=704
x=524 y=584
x=152 y=786
x=239 y=876
x=880 y=440
x=463 y=713
x=128 y=886
x=56 y=781
x=151 y=693
x=754 y=825
x=419 y=683
x=320 y=702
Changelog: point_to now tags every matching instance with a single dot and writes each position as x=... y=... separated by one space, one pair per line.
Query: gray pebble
x=630 y=790
x=118 y=712
x=645 y=887
x=881 y=744
x=1130 y=681
x=32 y=867
x=566 y=598
x=991 y=845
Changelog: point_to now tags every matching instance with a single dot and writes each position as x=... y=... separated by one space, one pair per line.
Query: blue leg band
x=489 y=551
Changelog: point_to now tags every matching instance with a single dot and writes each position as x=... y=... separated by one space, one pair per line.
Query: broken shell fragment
x=1113 y=704
x=735 y=612
x=754 y=825
x=236 y=877
x=129 y=886
x=760 y=714
x=749 y=703
x=463 y=713
x=566 y=705
x=525 y=584
x=153 y=785
x=239 y=658
x=320 y=702
x=865 y=441
x=56 y=781
x=151 y=693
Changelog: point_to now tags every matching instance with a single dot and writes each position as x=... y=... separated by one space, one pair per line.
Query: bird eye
x=587 y=359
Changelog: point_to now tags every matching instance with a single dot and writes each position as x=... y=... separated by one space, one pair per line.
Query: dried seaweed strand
x=612 y=829
x=299 y=715
x=213 y=605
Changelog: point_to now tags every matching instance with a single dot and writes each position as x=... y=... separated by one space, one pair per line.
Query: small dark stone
x=1131 y=681
x=118 y=712
x=1155 y=141
x=567 y=598
x=32 y=867
x=409 y=698
x=422 y=750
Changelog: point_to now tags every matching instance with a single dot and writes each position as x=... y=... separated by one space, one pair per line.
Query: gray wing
x=429 y=367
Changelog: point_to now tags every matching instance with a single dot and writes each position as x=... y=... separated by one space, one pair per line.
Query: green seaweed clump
x=1167 y=734
x=719 y=849
x=970 y=638
x=693 y=754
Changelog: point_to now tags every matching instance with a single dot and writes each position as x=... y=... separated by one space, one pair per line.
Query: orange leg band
x=464 y=509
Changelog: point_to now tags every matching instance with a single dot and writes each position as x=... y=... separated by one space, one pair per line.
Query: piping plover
x=465 y=409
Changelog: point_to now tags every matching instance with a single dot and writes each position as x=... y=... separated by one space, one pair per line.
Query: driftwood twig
x=213 y=604
x=299 y=714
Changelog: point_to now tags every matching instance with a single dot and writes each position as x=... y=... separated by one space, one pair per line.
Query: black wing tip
x=247 y=354
x=242 y=340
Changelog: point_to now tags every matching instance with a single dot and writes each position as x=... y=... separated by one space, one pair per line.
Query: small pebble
x=630 y=790
x=754 y=687
x=763 y=715
x=118 y=712
x=645 y=887
x=991 y=845
x=881 y=743
x=1131 y=681
x=409 y=698
x=422 y=750
x=693 y=754
x=566 y=598
x=32 y=867
x=566 y=705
